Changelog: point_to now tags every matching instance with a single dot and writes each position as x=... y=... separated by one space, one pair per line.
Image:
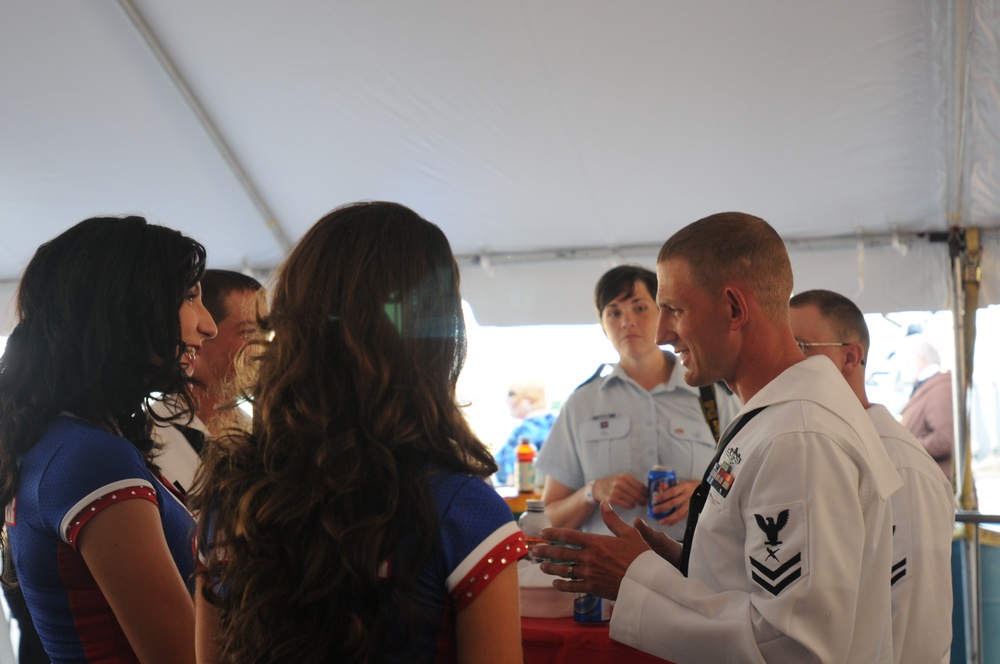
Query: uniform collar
x=676 y=381
x=816 y=379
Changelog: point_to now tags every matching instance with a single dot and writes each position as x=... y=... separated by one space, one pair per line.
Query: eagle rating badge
x=776 y=546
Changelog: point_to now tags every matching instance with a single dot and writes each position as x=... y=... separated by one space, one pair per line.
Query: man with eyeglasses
x=923 y=511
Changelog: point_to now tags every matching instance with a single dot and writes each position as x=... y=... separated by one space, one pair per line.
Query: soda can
x=591 y=609
x=660 y=478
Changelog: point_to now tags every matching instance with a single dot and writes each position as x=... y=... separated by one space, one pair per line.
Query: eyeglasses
x=812 y=344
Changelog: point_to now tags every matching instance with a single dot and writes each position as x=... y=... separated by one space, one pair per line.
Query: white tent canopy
x=548 y=139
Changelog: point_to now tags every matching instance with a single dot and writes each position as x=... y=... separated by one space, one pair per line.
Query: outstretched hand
x=598 y=563
x=659 y=542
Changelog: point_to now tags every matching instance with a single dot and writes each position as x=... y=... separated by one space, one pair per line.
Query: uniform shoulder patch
x=776 y=546
x=902 y=551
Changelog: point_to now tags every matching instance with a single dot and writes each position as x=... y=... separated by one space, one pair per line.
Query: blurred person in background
x=231 y=298
x=527 y=403
x=929 y=412
x=614 y=428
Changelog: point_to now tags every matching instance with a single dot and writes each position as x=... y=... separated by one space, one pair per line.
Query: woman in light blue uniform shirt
x=614 y=428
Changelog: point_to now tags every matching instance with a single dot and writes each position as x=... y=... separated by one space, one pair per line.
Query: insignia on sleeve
x=771 y=527
x=776 y=548
x=898 y=571
x=902 y=550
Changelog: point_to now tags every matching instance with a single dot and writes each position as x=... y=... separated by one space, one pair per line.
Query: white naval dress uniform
x=177 y=460
x=923 y=516
x=613 y=425
x=791 y=557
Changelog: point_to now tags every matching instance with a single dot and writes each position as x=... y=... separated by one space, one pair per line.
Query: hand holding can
x=660 y=479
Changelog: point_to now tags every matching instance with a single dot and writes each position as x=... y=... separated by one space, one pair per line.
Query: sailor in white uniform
x=923 y=511
x=790 y=559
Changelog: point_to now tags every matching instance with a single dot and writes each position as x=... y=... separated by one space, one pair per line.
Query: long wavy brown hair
x=354 y=404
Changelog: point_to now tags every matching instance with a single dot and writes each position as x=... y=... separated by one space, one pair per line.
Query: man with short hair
x=923 y=511
x=790 y=559
x=231 y=298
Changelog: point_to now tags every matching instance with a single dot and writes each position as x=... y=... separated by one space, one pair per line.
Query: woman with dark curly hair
x=354 y=522
x=110 y=314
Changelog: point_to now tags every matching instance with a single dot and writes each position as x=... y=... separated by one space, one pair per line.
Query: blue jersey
x=73 y=472
x=476 y=540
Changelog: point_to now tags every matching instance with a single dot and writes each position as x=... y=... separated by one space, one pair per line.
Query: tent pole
x=965 y=253
x=964 y=250
x=969 y=544
x=963 y=319
x=161 y=56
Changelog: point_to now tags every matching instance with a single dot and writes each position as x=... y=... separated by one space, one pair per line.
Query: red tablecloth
x=565 y=641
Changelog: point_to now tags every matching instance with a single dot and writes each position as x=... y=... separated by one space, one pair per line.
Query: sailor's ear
x=736 y=306
x=854 y=356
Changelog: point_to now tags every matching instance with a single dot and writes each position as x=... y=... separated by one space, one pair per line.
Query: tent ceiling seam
x=895 y=238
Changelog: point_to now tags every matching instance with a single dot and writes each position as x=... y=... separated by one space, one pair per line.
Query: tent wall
x=881 y=279
x=910 y=276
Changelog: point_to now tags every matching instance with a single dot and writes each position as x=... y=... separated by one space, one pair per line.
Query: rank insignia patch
x=902 y=549
x=898 y=571
x=776 y=580
x=771 y=526
x=777 y=553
